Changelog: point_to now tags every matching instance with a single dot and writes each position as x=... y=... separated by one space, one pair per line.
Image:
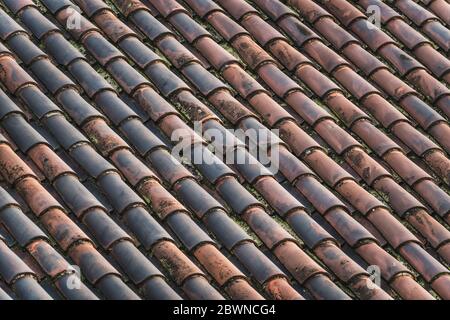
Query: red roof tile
x=91 y=100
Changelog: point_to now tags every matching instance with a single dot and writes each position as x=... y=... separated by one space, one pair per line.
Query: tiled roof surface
x=88 y=179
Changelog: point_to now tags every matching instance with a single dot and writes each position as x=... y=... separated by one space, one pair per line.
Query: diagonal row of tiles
x=132 y=209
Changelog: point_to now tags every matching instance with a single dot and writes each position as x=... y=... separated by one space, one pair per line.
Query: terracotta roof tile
x=87 y=123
